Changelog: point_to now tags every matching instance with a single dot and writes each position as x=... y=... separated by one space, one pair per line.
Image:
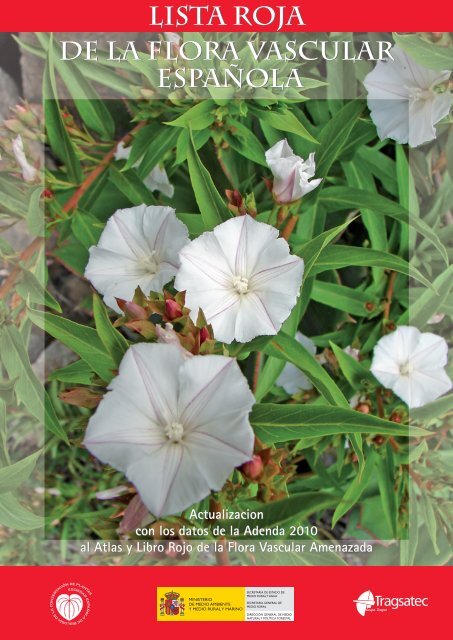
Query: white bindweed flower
x=243 y=278
x=292 y=379
x=157 y=180
x=403 y=99
x=139 y=247
x=412 y=364
x=292 y=174
x=176 y=427
x=28 y=171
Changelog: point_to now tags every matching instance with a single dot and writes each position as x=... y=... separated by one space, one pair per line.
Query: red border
x=328 y=15
x=123 y=601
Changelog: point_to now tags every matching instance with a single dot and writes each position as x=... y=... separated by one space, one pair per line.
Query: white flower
x=243 y=278
x=176 y=427
x=291 y=173
x=28 y=171
x=403 y=101
x=139 y=247
x=157 y=180
x=412 y=365
x=292 y=379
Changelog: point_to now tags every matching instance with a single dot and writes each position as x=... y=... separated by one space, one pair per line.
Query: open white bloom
x=139 y=247
x=28 y=171
x=291 y=173
x=176 y=427
x=403 y=100
x=412 y=364
x=243 y=278
x=157 y=180
x=292 y=379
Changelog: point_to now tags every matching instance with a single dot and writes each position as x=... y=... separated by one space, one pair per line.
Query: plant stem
x=389 y=295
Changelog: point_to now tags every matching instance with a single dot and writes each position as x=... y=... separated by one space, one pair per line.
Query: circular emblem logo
x=70 y=603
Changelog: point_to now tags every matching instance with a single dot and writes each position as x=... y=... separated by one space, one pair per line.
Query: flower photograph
x=225 y=312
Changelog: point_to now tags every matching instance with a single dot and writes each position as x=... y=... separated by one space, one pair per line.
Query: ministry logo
x=70 y=603
x=364 y=602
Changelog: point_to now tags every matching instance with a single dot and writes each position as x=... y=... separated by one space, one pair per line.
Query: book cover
x=225 y=318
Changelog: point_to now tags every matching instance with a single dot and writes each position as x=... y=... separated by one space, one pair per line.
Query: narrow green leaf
x=283 y=346
x=429 y=302
x=58 y=137
x=345 y=299
x=285 y=120
x=350 y=198
x=340 y=256
x=356 y=488
x=114 y=341
x=197 y=117
x=14 y=516
x=82 y=340
x=12 y=476
x=212 y=207
x=425 y=53
x=282 y=422
x=78 y=372
x=28 y=388
x=355 y=373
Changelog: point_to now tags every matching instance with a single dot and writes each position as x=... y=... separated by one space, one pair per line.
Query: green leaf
x=15 y=516
x=433 y=409
x=131 y=185
x=356 y=488
x=355 y=373
x=426 y=53
x=429 y=302
x=284 y=120
x=78 y=372
x=386 y=480
x=91 y=108
x=142 y=141
x=198 y=117
x=283 y=346
x=12 y=476
x=86 y=228
x=158 y=146
x=114 y=341
x=350 y=198
x=245 y=142
x=82 y=340
x=282 y=422
x=340 y=256
x=58 y=137
x=35 y=213
x=212 y=207
x=311 y=250
x=299 y=506
x=335 y=134
x=344 y=298
x=29 y=286
x=28 y=389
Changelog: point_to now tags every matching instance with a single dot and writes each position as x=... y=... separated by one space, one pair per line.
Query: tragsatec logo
x=364 y=601
x=367 y=602
x=70 y=603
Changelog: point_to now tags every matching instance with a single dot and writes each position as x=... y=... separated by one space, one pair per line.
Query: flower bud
x=253 y=469
x=173 y=310
x=291 y=173
x=204 y=334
